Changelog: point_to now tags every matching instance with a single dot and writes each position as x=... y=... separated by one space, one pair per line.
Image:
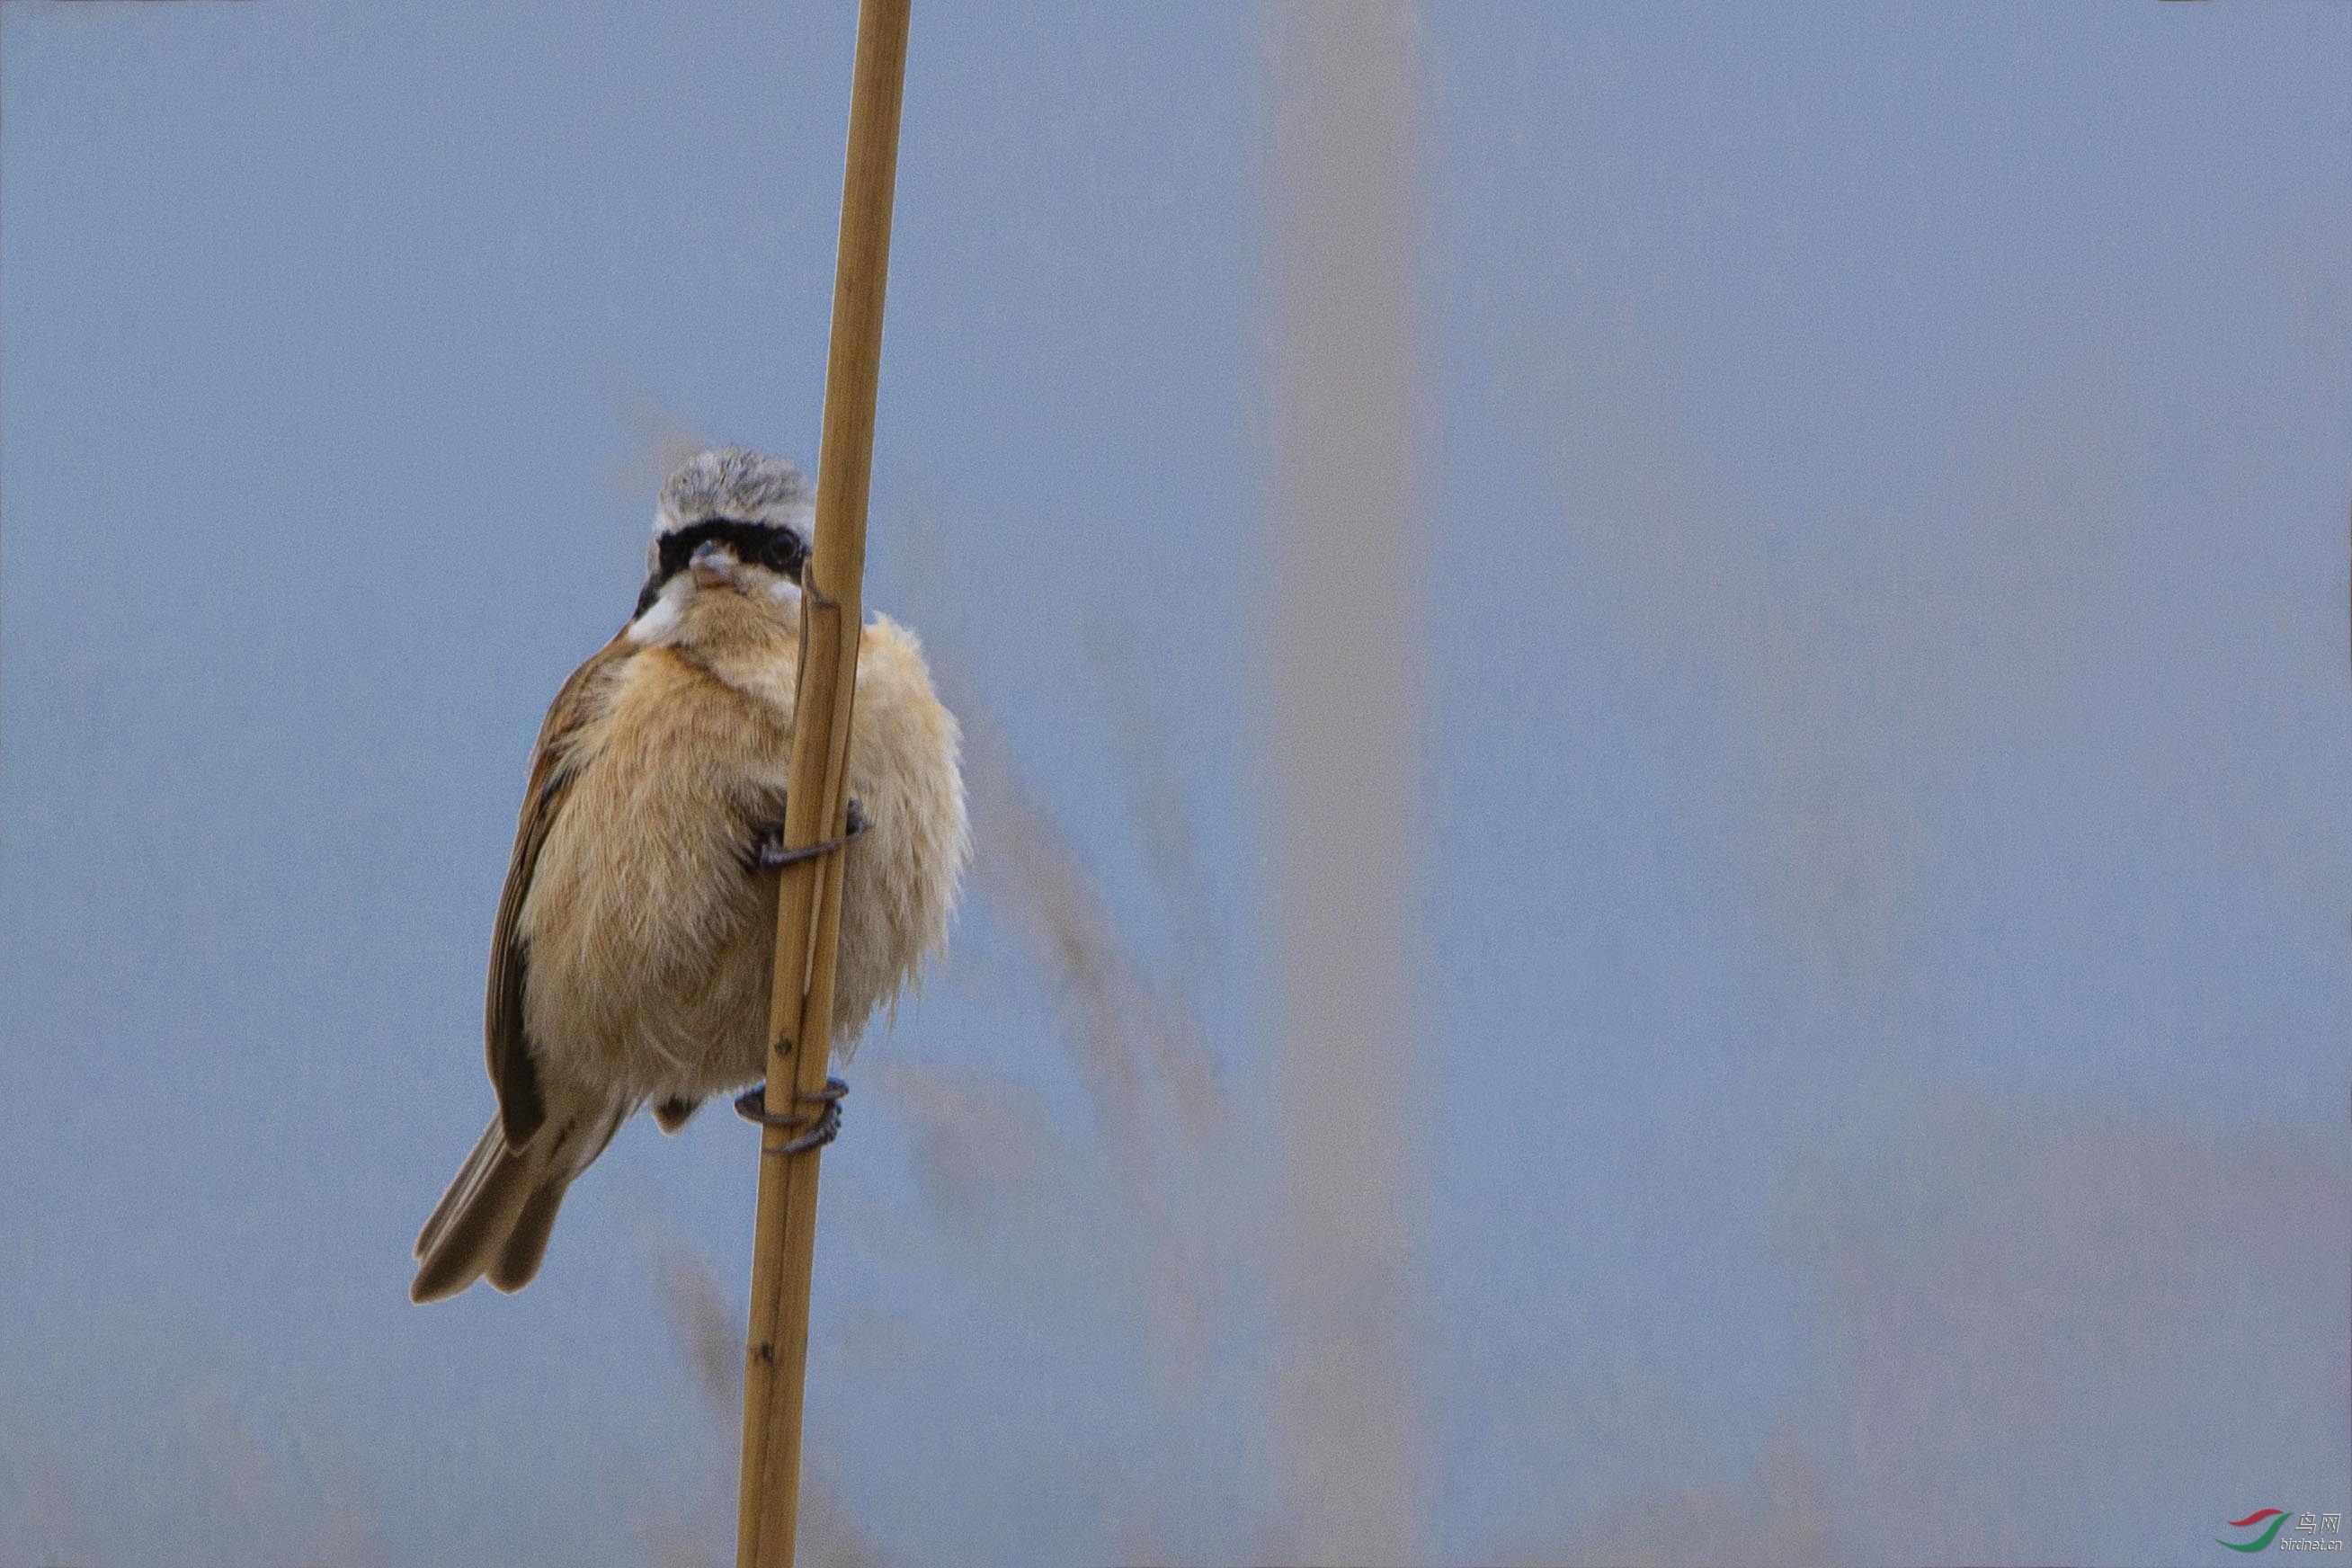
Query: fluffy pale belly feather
x=648 y=956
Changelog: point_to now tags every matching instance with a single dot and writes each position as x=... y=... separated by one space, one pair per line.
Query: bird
x=631 y=954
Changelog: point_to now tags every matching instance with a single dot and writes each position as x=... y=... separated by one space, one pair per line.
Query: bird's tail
x=496 y=1216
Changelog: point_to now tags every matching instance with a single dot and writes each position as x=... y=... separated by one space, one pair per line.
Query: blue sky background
x=1887 y=593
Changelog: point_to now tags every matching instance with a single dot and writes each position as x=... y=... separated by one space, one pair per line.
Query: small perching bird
x=630 y=963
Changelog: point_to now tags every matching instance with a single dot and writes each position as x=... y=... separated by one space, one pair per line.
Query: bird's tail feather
x=496 y=1214
x=526 y=1243
x=463 y=1187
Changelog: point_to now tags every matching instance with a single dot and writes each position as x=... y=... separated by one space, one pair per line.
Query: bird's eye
x=779 y=550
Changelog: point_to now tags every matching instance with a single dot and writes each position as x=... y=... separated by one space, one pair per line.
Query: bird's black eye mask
x=778 y=548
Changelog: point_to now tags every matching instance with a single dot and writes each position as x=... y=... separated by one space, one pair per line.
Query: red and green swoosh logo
x=2277 y=1517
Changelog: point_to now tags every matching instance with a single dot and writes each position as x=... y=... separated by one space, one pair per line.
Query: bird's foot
x=772 y=854
x=821 y=1128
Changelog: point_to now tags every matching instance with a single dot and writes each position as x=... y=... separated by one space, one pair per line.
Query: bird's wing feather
x=555 y=762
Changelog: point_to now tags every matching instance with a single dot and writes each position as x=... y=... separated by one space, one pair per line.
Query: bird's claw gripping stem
x=772 y=854
x=821 y=1128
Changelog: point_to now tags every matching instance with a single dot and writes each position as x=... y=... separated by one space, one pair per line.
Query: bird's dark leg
x=822 y=1128
x=771 y=853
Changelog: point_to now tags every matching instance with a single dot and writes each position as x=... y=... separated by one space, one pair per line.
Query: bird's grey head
x=736 y=484
x=733 y=507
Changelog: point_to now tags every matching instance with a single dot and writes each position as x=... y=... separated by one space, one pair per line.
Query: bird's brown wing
x=555 y=762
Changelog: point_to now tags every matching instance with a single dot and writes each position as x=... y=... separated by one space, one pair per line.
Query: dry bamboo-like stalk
x=808 y=909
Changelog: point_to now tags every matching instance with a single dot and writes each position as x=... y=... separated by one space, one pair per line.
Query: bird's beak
x=713 y=565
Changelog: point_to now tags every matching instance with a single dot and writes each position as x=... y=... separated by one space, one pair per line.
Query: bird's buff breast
x=650 y=944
